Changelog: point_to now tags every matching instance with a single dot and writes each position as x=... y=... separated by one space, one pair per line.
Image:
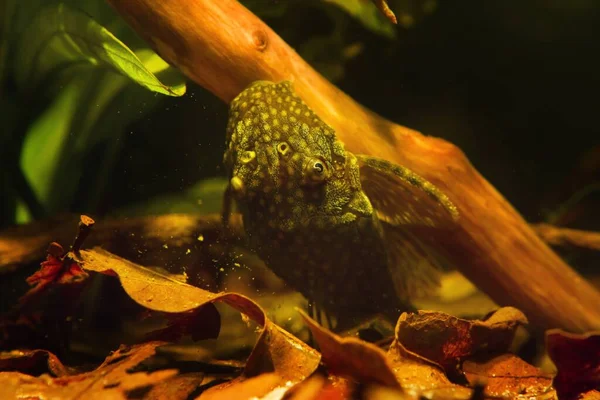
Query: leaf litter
x=432 y=355
x=577 y=359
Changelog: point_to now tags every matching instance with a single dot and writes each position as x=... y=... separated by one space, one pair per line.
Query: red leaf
x=445 y=339
x=57 y=269
x=577 y=359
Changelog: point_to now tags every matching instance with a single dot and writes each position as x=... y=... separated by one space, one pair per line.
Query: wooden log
x=224 y=47
x=565 y=237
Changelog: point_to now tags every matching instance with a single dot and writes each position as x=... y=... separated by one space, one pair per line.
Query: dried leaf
x=577 y=359
x=175 y=388
x=308 y=389
x=376 y=392
x=145 y=286
x=109 y=381
x=399 y=369
x=591 y=395
x=277 y=363
x=275 y=351
x=201 y=323
x=421 y=377
x=445 y=339
x=507 y=376
x=350 y=357
x=333 y=388
x=247 y=388
x=336 y=388
x=32 y=361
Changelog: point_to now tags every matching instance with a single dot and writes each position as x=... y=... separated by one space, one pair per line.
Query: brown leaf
x=398 y=369
x=110 y=380
x=507 y=376
x=201 y=323
x=332 y=388
x=145 y=286
x=247 y=388
x=445 y=339
x=336 y=388
x=32 y=361
x=309 y=389
x=175 y=388
x=418 y=375
x=350 y=357
x=376 y=392
x=275 y=351
x=591 y=395
x=577 y=359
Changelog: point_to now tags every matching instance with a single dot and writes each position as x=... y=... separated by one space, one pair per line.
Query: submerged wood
x=566 y=237
x=224 y=47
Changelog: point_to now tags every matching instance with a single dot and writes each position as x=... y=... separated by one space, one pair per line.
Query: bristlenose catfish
x=335 y=226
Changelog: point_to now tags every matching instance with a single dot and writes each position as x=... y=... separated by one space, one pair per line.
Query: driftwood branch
x=224 y=47
x=564 y=237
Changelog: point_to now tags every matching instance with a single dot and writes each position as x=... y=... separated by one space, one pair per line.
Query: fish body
x=304 y=208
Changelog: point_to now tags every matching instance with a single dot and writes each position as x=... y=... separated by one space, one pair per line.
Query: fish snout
x=237 y=186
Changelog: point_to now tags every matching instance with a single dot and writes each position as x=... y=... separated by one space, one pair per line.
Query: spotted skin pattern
x=303 y=207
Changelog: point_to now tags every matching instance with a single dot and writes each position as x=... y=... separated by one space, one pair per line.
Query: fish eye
x=283 y=148
x=318 y=167
x=316 y=170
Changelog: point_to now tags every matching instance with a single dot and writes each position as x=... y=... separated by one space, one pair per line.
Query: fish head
x=280 y=153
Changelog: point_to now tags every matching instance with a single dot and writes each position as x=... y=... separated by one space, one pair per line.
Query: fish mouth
x=237 y=186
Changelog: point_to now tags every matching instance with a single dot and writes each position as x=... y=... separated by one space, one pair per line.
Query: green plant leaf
x=89 y=69
x=366 y=13
x=60 y=37
x=92 y=109
x=47 y=139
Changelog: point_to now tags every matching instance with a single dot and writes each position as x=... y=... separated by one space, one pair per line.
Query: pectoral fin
x=402 y=197
x=415 y=268
x=408 y=207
